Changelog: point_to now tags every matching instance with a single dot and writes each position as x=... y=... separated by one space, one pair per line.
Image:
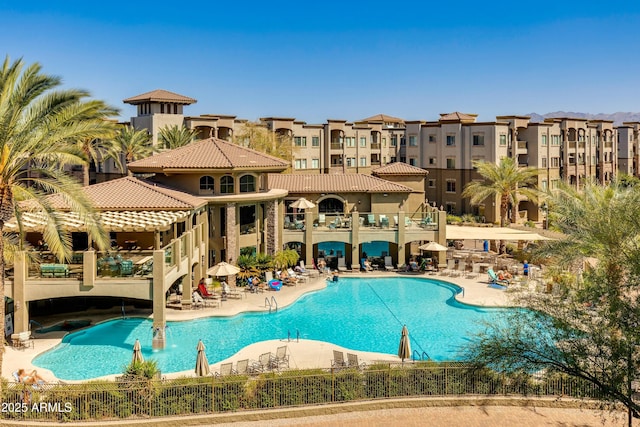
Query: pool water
x=356 y=313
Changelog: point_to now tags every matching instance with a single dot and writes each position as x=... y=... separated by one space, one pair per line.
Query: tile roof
x=383 y=118
x=458 y=117
x=399 y=168
x=211 y=153
x=159 y=95
x=335 y=183
x=133 y=194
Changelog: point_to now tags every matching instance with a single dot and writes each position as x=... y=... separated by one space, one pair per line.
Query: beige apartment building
x=567 y=149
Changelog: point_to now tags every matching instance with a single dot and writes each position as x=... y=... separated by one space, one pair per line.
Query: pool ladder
x=273 y=304
x=418 y=356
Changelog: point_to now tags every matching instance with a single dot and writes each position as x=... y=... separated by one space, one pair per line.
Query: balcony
x=375 y=145
x=522 y=145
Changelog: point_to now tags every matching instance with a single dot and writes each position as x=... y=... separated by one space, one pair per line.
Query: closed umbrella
x=432 y=246
x=223 y=269
x=303 y=203
x=137 y=352
x=202 y=364
x=404 y=349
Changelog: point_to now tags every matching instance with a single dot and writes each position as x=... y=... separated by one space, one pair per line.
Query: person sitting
x=367 y=265
x=286 y=279
x=504 y=276
x=30 y=378
x=525 y=268
x=322 y=265
x=204 y=292
x=335 y=277
x=413 y=265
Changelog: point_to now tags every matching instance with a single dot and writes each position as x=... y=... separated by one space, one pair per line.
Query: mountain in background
x=617 y=118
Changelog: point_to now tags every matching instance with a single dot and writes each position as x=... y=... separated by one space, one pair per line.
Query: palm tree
x=36 y=125
x=134 y=144
x=257 y=137
x=505 y=180
x=98 y=148
x=173 y=136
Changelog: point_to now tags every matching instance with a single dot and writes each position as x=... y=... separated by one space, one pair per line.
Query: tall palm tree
x=505 y=180
x=37 y=124
x=98 y=148
x=133 y=144
x=173 y=136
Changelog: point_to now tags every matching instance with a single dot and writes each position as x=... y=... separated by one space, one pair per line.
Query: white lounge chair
x=342 y=264
x=388 y=263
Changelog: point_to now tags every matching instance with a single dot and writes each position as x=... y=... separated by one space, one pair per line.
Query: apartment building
x=573 y=150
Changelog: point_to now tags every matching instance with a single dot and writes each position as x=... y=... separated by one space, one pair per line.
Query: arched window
x=206 y=183
x=226 y=185
x=247 y=184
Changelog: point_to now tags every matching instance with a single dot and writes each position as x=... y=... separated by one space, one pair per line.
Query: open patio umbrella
x=303 y=203
x=202 y=364
x=432 y=246
x=404 y=349
x=137 y=352
x=223 y=269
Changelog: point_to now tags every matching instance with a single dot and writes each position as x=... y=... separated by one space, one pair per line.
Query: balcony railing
x=375 y=145
x=336 y=146
x=370 y=221
x=522 y=145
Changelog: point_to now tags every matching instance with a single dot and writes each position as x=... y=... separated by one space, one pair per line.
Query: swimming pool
x=364 y=314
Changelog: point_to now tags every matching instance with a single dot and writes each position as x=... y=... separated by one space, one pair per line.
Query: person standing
x=525 y=268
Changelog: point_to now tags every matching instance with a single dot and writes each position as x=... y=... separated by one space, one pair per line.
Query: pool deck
x=302 y=354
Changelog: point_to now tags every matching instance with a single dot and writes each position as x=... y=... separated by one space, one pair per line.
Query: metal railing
x=127 y=398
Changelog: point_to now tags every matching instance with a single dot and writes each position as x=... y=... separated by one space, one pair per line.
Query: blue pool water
x=357 y=313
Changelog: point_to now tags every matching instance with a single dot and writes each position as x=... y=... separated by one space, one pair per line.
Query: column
x=441 y=238
x=272 y=227
x=159 y=303
x=402 y=256
x=355 y=240
x=308 y=238
x=232 y=240
x=21 y=307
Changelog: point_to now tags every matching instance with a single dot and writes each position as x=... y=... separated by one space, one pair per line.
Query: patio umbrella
x=223 y=269
x=404 y=349
x=432 y=246
x=303 y=203
x=137 y=352
x=202 y=364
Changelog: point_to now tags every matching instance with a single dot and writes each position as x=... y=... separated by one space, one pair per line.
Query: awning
x=461 y=232
x=111 y=220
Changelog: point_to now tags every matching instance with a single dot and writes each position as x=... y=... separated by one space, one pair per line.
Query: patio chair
x=297 y=276
x=225 y=369
x=342 y=264
x=494 y=280
x=451 y=267
x=282 y=358
x=322 y=219
x=338 y=360
x=384 y=221
x=475 y=270
x=242 y=368
x=371 y=220
x=353 y=361
x=462 y=268
x=388 y=263
x=265 y=363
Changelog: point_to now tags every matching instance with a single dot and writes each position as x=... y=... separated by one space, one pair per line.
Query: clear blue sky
x=339 y=59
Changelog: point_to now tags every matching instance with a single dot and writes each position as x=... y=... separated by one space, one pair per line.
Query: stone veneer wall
x=232 y=243
x=272 y=227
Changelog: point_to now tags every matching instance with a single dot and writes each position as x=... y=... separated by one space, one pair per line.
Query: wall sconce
x=385 y=195
x=359 y=202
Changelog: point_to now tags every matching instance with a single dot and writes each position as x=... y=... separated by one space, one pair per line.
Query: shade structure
x=461 y=232
x=137 y=352
x=404 y=349
x=202 y=364
x=303 y=203
x=223 y=269
x=432 y=246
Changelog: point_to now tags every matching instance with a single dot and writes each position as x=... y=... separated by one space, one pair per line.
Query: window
x=412 y=161
x=351 y=161
x=544 y=185
x=450 y=208
x=543 y=139
x=315 y=163
x=555 y=139
x=403 y=141
x=544 y=162
x=363 y=141
x=432 y=183
x=384 y=142
x=206 y=183
x=300 y=141
x=394 y=140
x=503 y=140
x=413 y=141
x=555 y=162
x=351 y=141
x=315 y=141
x=451 y=186
x=432 y=138
x=248 y=183
x=392 y=159
x=478 y=140
x=451 y=163
x=451 y=140
x=555 y=183
x=432 y=160
x=572 y=158
x=363 y=161
x=300 y=164
x=403 y=159
x=226 y=185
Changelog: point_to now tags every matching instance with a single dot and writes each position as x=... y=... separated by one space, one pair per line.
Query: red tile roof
x=383 y=118
x=160 y=95
x=335 y=183
x=399 y=168
x=209 y=154
x=458 y=117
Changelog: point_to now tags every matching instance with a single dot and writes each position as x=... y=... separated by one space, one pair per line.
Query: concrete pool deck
x=302 y=355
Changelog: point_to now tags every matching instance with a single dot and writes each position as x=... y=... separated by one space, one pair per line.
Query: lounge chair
x=342 y=264
x=451 y=268
x=338 y=360
x=322 y=219
x=225 y=369
x=297 y=276
x=475 y=270
x=462 y=268
x=226 y=289
x=196 y=300
x=494 y=280
x=353 y=361
x=282 y=358
x=371 y=220
x=384 y=221
x=242 y=368
x=265 y=363
x=388 y=263
x=204 y=292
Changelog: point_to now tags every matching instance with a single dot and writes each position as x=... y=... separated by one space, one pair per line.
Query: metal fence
x=130 y=399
